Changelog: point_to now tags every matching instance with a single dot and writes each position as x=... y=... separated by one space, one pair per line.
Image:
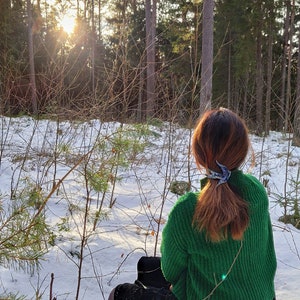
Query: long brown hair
x=220 y=136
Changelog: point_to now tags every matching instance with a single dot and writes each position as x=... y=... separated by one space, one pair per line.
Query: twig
x=119 y=267
x=51 y=285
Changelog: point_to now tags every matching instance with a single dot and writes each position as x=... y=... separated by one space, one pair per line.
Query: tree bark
x=287 y=111
x=284 y=65
x=259 y=83
x=31 y=59
x=269 y=69
x=229 y=100
x=93 y=47
x=296 y=135
x=207 y=55
x=150 y=7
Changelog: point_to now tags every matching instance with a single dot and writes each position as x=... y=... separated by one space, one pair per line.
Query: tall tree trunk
x=150 y=7
x=245 y=96
x=140 y=96
x=287 y=111
x=194 y=63
x=229 y=100
x=77 y=9
x=31 y=59
x=99 y=20
x=284 y=65
x=93 y=46
x=259 y=82
x=296 y=135
x=269 y=67
x=269 y=84
x=207 y=55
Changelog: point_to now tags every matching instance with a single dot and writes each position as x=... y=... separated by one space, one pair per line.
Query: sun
x=68 y=23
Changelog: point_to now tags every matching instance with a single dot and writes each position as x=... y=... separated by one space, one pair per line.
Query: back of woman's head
x=220 y=140
x=221 y=136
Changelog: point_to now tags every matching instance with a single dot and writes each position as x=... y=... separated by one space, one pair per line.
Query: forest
x=98 y=100
x=132 y=60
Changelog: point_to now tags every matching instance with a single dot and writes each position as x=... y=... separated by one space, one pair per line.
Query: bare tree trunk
x=229 y=100
x=99 y=20
x=207 y=55
x=296 y=135
x=259 y=83
x=284 y=63
x=140 y=99
x=245 y=97
x=269 y=71
x=77 y=9
x=194 y=66
x=31 y=59
x=85 y=8
x=287 y=111
x=93 y=46
x=150 y=7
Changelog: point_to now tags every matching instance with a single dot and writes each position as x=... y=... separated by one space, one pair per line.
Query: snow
x=132 y=227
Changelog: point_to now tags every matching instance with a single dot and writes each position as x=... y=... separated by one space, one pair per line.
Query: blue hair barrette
x=223 y=177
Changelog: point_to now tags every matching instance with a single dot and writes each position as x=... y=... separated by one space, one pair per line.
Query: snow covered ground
x=140 y=201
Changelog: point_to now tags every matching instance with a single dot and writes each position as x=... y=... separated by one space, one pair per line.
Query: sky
x=66 y=15
x=132 y=227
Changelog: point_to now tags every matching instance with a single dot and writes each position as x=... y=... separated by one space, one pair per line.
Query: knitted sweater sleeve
x=175 y=238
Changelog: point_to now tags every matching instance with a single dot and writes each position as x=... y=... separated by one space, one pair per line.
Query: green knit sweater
x=226 y=270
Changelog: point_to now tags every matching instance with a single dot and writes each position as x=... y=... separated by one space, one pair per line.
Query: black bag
x=150 y=284
x=135 y=291
x=150 y=273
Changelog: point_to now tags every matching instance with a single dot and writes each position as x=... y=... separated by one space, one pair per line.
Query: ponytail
x=220 y=136
x=221 y=212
